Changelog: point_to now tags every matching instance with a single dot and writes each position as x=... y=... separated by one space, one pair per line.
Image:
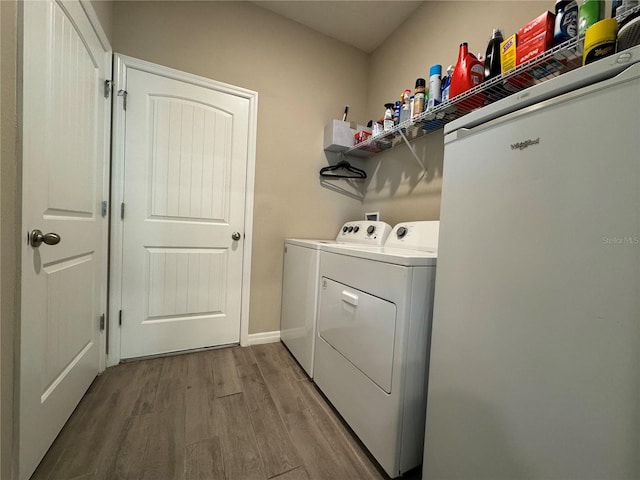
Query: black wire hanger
x=342 y=165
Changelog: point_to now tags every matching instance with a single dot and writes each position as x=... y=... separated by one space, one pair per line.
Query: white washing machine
x=300 y=285
x=372 y=342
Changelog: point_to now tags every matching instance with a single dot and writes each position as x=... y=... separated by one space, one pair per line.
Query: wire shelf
x=561 y=59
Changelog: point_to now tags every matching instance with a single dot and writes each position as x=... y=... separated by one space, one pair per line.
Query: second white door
x=185 y=163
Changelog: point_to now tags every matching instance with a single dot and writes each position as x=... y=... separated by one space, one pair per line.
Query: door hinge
x=123 y=94
x=102 y=322
x=105 y=208
x=122 y=211
x=108 y=85
x=120 y=318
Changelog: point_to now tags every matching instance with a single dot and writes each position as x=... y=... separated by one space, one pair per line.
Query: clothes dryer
x=372 y=341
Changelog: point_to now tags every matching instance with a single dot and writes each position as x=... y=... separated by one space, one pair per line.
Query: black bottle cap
x=421 y=82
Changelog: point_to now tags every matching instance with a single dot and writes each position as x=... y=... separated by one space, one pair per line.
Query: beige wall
x=431 y=36
x=9 y=226
x=104 y=11
x=303 y=80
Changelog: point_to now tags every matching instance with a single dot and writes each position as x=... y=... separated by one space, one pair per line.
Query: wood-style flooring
x=232 y=413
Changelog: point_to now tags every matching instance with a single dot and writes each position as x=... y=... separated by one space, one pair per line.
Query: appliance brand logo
x=525 y=144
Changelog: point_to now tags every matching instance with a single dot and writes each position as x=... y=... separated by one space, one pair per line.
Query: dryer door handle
x=350 y=298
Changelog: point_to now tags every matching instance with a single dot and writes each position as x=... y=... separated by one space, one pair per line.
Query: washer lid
x=309 y=242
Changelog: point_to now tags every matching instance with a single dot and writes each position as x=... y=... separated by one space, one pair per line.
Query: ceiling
x=362 y=24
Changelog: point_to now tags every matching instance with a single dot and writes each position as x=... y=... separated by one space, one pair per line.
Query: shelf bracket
x=413 y=151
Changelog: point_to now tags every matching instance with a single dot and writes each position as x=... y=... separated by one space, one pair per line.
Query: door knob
x=37 y=238
x=235 y=236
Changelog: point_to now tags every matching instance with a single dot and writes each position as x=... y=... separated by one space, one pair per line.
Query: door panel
x=186 y=282
x=190 y=160
x=361 y=327
x=64 y=155
x=185 y=160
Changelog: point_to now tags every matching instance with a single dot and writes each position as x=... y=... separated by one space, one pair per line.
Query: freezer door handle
x=458 y=134
x=350 y=298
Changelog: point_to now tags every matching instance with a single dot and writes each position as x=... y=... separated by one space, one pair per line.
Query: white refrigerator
x=535 y=349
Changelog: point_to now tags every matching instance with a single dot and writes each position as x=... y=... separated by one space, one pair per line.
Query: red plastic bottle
x=468 y=72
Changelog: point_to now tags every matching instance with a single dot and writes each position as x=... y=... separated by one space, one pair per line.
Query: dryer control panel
x=364 y=232
x=415 y=236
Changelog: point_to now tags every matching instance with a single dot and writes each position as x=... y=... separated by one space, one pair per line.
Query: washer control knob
x=371 y=229
x=350 y=228
x=355 y=229
x=344 y=229
x=402 y=231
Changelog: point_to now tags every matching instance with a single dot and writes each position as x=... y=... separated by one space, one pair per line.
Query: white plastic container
x=339 y=135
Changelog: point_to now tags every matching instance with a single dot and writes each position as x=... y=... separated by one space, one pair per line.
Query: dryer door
x=360 y=327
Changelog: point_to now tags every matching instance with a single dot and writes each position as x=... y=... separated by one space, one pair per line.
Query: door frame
x=121 y=64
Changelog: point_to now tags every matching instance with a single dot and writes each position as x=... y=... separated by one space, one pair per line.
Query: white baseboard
x=264 y=337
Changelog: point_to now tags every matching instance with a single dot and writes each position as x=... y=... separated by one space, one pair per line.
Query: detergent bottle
x=566 y=26
x=492 y=58
x=468 y=72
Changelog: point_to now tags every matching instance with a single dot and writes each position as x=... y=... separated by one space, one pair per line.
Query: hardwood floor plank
x=278 y=453
x=98 y=433
x=295 y=371
x=199 y=369
x=125 y=460
x=148 y=377
x=346 y=449
x=317 y=455
x=239 y=449
x=165 y=454
x=275 y=358
x=65 y=439
x=274 y=368
x=200 y=421
x=176 y=367
x=284 y=393
x=296 y=474
x=225 y=375
x=243 y=356
x=96 y=384
x=172 y=384
x=269 y=358
x=120 y=377
x=204 y=461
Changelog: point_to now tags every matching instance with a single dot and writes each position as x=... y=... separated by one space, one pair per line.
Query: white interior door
x=64 y=158
x=185 y=164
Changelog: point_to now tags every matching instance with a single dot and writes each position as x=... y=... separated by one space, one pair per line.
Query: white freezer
x=535 y=354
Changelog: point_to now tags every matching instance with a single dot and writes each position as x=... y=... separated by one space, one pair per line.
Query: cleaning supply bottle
x=591 y=11
x=566 y=27
x=387 y=123
x=446 y=83
x=419 y=96
x=396 y=112
x=405 y=110
x=435 y=86
x=492 y=66
x=467 y=73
